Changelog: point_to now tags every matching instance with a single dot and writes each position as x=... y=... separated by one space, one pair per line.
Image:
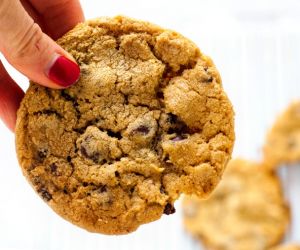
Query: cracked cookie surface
x=147 y=120
x=282 y=144
x=246 y=211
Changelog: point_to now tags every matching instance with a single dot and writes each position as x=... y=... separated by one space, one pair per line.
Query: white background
x=256 y=47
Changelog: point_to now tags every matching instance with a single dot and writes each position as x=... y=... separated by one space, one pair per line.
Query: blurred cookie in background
x=282 y=144
x=287 y=247
x=247 y=211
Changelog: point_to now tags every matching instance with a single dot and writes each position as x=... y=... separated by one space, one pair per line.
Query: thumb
x=32 y=52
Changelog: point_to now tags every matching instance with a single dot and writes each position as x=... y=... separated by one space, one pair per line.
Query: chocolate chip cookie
x=283 y=140
x=245 y=212
x=147 y=120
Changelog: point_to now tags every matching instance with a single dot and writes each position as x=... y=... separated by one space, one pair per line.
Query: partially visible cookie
x=283 y=140
x=147 y=121
x=246 y=211
x=287 y=247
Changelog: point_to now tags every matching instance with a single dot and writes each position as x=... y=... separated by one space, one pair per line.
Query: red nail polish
x=64 y=72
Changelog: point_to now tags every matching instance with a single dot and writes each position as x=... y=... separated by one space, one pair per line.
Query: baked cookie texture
x=287 y=247
x=246 y=211
x=147 y=120
x=282 y=144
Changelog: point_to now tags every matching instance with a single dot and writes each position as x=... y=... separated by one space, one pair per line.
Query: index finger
x=58 y=16
x=10 y=97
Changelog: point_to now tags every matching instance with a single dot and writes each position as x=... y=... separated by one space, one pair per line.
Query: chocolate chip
x=175 y=125
x=67 y=97
x=69 y=158
x=209 y=79
x=65 y=191
x=126 y=99
x=84 y=152
x=166 y=158
x=45 y=194
x=41 y=154
x=172 y=118
x=94 y=156
x=114 y=134
x=53 y=168
x=142 y=129
x=162 y=190
x=117 y=174
x=169 y=209
x=138 y=174
x=160 y=95
x=103 y=189
x=36 y=180
x=85 y=184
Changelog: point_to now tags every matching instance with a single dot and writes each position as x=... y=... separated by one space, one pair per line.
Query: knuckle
x=4 y=6
x=28 y=43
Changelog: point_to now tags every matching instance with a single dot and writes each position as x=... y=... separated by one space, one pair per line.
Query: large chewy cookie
x=147 y=121
x=283 y=140
x=245 y=212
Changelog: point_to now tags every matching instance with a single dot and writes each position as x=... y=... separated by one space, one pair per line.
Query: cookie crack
x=48 y=112
x=69 y=98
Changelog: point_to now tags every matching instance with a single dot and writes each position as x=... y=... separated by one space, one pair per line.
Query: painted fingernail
x=63 y=71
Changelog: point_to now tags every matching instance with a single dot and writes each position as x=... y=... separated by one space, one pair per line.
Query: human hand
x=27 y=28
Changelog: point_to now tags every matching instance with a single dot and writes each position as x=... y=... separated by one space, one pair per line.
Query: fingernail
x=63 y=71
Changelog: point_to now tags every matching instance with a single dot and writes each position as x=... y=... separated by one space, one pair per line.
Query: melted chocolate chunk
x=36 y=180
x=41 y=154
x=67 y=97
x=44 y=194
x=114 y=134
x=176 y=126
x=142 y=129
x=209 y=79
x=162 y=190
x=94 y=156
x=160 y=95
x=172 y=118
x=103 y=189
x=53 y=169
x=84 y=152
x=169 y=209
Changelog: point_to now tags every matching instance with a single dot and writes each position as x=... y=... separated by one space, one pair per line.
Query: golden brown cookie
x=283 y=140
x=287 y=247
x=246 y=211
x=147 y=121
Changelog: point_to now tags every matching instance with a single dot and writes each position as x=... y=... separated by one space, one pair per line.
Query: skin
x=28 y=29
